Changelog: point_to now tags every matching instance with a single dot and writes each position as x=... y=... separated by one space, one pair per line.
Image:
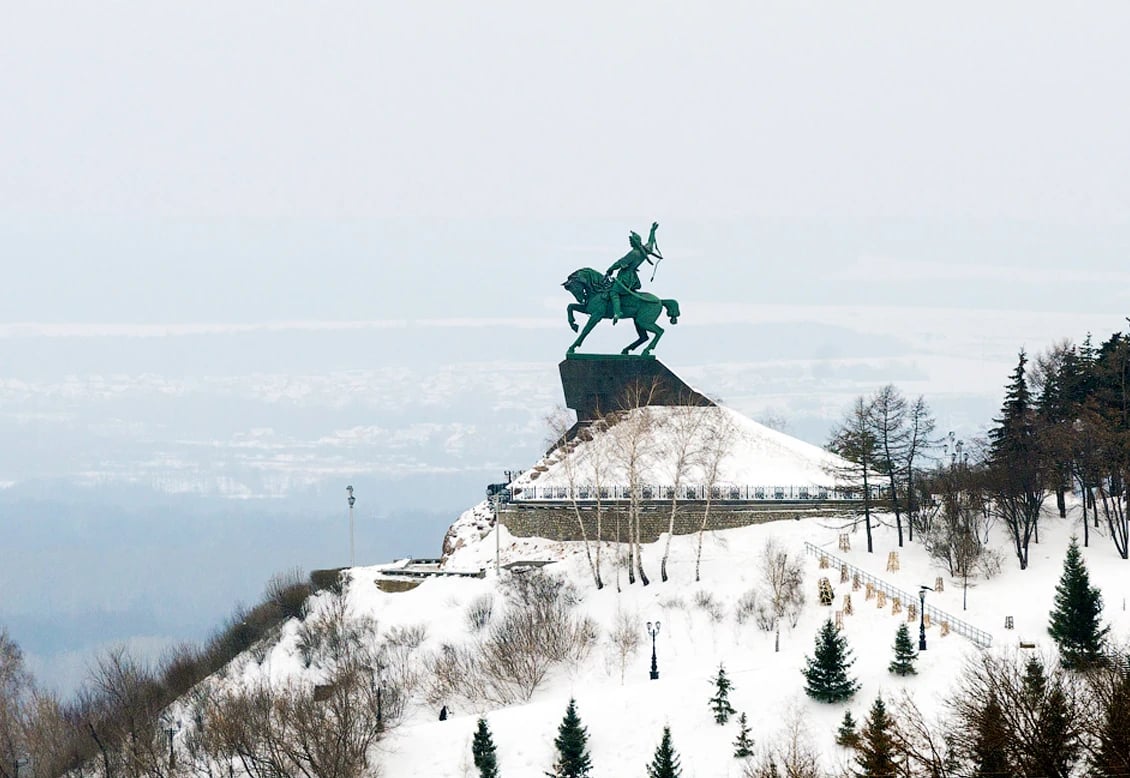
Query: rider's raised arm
x=651 y=237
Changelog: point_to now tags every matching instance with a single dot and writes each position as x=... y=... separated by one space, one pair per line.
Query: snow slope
x=757 y=455
x=625 y=719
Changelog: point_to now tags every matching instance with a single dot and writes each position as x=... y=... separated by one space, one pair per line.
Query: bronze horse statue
x=592 y=290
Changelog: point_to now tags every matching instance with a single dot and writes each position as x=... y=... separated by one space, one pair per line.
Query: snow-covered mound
x=704 y=623
x=750 y=454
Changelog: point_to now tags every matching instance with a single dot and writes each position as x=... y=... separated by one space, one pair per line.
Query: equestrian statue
x=604 y=295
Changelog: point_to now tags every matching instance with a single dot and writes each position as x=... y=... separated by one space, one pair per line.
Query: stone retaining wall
x=558 y=521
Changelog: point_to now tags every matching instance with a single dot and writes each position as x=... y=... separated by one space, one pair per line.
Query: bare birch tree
x=634 y=448
x=784 y=580
x=718 y=442
x=560 y=425
x=685 y=424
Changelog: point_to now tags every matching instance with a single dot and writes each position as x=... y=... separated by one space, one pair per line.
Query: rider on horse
x=626 y=268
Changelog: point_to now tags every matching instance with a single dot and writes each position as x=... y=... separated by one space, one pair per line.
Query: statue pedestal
x=602 y=383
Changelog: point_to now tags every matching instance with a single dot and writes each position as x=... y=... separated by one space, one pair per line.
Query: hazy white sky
x=850 y=194
x=265 y=161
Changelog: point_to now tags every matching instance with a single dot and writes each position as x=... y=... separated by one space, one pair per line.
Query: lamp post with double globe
x=653 y=630
x=922 y=615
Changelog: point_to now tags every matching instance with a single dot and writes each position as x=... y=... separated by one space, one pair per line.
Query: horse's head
x=581 y=283
x=576 y=286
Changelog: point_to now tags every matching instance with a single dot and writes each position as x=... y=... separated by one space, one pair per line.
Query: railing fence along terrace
x=979 y=636
x=747 y=493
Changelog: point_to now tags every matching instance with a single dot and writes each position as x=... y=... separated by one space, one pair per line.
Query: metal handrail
x=665 y=492
x=979 y=636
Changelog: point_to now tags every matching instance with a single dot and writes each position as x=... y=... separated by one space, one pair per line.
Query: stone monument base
x=596 y=384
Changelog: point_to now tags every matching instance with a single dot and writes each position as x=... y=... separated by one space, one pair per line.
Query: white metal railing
x=979 y=636
x=654 y=492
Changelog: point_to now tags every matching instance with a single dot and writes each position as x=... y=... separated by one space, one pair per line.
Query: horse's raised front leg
x=584 y=333
x=569 y=309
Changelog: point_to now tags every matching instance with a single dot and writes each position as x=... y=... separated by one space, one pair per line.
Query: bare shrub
x=455 y=672
x=790 y=755
x=765 y=617
x=538 y=629
x=123 y=699
x=332 y=639
x=288 y=592
x=673 y=603
x=706 y=602
x=331 y=580
x=625 y=638
x=746 y=606
x=181 y=670
x=989 y=562
x=271 y=731
x=410 y=636
x=399 y=666
x=479 y=612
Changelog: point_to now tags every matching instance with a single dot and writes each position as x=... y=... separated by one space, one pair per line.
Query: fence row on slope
x=979 y=636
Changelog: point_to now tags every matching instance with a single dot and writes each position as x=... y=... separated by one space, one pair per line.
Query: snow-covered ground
x=753 y=453
x=625 y=719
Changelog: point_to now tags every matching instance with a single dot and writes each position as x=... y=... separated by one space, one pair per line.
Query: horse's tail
x=672 y=307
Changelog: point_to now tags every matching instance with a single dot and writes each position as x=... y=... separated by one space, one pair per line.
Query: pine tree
x=905 y=655
x=847 y=735
x=573 y=759
x=720 y=702
x=826 y=671
x=743 y=746
x=665 y=764
x=989 y=751
x=1074 y=622
x=483 y=751
x=875 y=753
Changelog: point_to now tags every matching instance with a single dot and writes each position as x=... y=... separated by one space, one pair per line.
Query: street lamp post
x=653 y=630
x=170 y=727
x=350 y=499
x=922 y=616
x=497 y=537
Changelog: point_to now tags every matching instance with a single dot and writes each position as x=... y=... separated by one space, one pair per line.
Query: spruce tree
x=847 y=735
x=665 y=764
x=1074 y=623
x=483 y=751
x=743 y=746
x=875 y=753
x=826 y=671
x=572 y=750
x=989 y=750
x=1017 y=464
x=905 y=655
x=720 y=702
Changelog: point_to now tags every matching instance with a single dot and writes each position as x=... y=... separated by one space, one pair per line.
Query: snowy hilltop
x=437 y=653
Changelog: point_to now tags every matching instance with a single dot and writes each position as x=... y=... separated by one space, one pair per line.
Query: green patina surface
x=612 y=357
x=616 y=294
